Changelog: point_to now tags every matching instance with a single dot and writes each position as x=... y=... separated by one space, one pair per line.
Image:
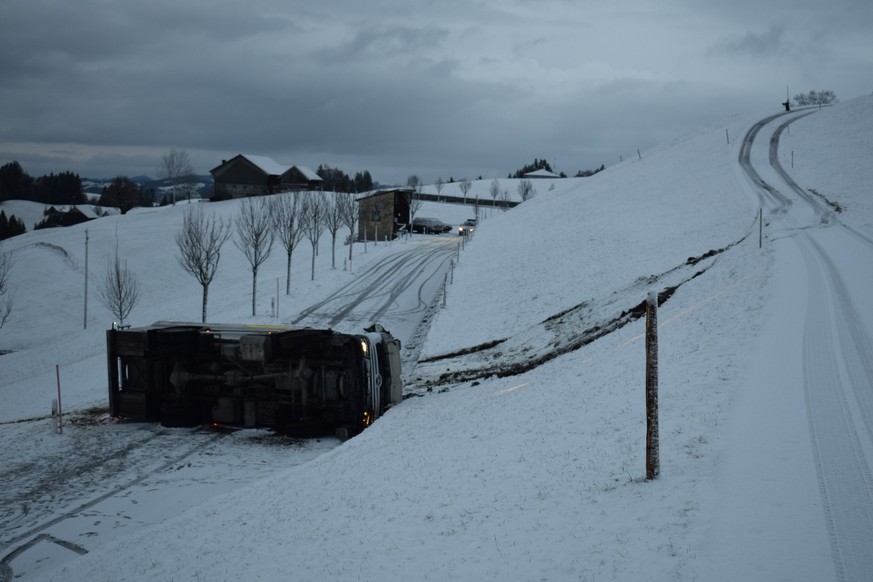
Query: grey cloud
x=383 y=42
x=394 y=86
x=772 y=42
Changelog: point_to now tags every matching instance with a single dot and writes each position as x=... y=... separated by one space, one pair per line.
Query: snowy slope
x=534 y=476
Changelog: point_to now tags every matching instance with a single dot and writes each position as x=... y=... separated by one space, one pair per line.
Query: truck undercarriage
x=303 y=382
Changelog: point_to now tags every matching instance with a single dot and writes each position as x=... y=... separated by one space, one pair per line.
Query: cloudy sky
x=436 y=88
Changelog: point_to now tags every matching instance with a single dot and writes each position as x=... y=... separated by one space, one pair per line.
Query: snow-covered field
x=533 y=476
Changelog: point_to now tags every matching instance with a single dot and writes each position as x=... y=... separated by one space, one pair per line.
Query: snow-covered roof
x=541 y=174
x=308 y=173
x=267 y=164
x=88 y=211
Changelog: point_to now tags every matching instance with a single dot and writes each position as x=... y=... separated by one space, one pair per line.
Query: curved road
x=835 y=355
x=396 y=291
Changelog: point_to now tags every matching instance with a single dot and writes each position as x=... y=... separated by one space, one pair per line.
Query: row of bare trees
x=260 y=222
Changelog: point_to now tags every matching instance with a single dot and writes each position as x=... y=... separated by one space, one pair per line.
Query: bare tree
x=439 y=186
x=200 y=240
x=254 y=237
x=176 y=169
x=415 y=201
x=5 y=298
x=349 y=210
x=494 y=190
x=816 y=98
x=415 y=205
x=465 y=187
x=526 y=190
x=333 y=220
x=288 y=225
x=120 y=290
x=313 y=222
x=379 y=207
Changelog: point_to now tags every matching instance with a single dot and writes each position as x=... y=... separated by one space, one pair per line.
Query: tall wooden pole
x=85 y=325
x=60 y=407
x=760 y=227
x=653 y=461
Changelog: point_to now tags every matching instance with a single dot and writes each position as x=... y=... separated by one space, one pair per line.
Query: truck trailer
x=298 y=381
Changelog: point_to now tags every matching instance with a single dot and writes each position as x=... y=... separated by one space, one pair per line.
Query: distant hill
x=94 y=186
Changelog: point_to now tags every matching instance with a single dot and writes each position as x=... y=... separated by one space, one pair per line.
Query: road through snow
x=397 y=290
x=822 y=380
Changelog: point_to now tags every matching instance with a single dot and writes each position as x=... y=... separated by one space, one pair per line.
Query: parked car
x=429 y=226
x=468 y=227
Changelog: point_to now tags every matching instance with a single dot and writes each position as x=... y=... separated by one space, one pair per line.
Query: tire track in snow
x=139 y=478
x=780 y=201
x=825 y=214
x=837 y=372
x=837 y=378
x=856 y=345
x=385 y=282
x=843 y=473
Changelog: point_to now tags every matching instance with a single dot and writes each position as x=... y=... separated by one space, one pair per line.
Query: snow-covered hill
x=534 y=476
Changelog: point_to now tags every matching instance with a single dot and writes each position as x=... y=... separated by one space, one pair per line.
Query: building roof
x=268 y=165
x=541 y=174
x=308 y=173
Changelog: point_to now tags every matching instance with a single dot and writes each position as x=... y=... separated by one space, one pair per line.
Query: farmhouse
x=65 y=216
x=541 y=173
x=247 y=175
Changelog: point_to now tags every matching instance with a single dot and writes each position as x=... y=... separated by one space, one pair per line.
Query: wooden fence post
x=653 y=461
x=760 y=227
x=60 y=407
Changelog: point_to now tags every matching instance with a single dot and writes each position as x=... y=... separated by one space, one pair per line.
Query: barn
x=249 y=175
x=383 y=213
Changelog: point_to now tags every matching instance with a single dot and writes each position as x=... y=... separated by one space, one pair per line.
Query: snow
x=538 y=475
x=267 y=164
x=308 y=173
x=541 y=174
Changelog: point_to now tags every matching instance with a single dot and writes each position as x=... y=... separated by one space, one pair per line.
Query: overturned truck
x=302 y=382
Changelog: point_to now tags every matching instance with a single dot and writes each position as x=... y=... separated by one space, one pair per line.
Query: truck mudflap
x=299 y=381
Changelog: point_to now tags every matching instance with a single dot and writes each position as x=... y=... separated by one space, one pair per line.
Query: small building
x=383 y=213
x=248 y=175
x=541 y=173
x=64 y=217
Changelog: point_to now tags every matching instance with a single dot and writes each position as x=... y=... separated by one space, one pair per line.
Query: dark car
x=468 y=227
x=430 y=226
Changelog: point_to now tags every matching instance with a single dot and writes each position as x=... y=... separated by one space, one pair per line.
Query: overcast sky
x=439 y=88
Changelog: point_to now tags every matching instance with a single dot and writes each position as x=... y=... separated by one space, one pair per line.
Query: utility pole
x=760 y=227
x=86 y=280
x=653 y=460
